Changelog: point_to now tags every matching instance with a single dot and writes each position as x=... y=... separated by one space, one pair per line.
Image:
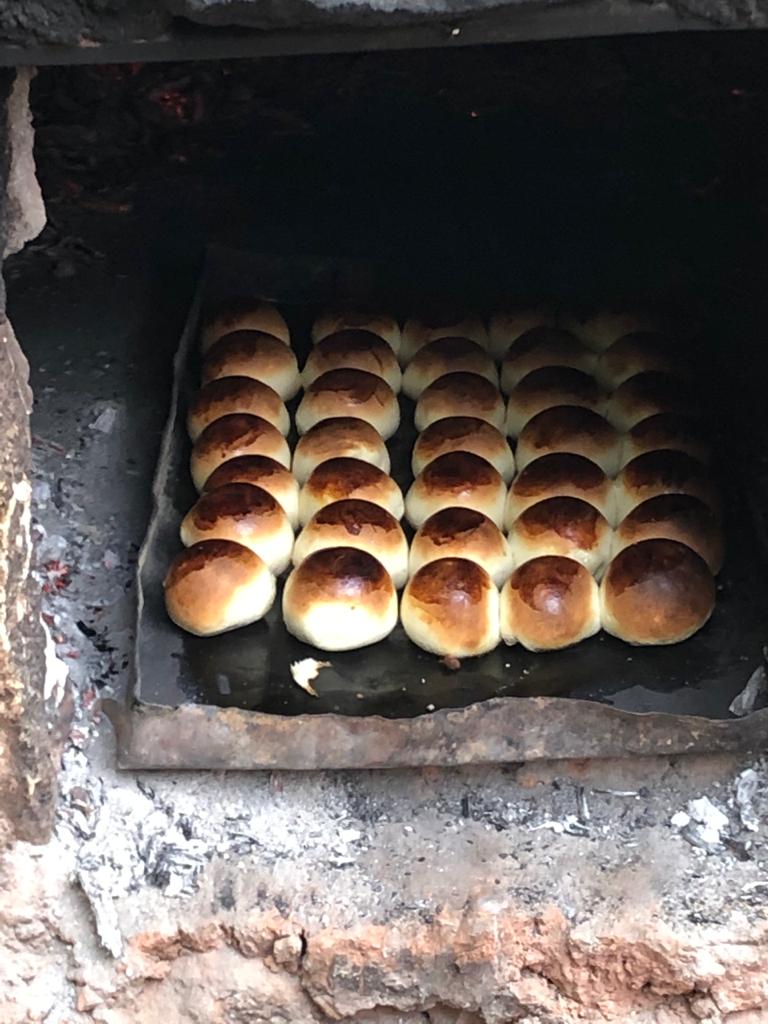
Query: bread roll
x=260 y=471
x=458 y=479
x=349 y=393
x=656 y=592
x=244 y=315
x=542 y=347
x=217 y=585
x=462 y=533
x=573 y=429
x=664 y=472
x=451 y=607
x=674 y=517
x=646 y=394
x=253 y=354
x=562 y=526
x=342 y=478
x=353 y=350
x=506 y=328
x=232 y=436
x=357 y=524
x=419 y=332
x=549 y=603
x=599 y=330
x=340 y=599
x=639 y=352
x=340 y=436
x=383 y=326
x=666 y=430
x=447 y=355
x=245 y=514
x=229 y=395
x=560 y=475
x=464 y=434
x=546 y=388
x=460 y=394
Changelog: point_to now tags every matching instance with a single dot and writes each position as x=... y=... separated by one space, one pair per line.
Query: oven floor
x=304 y=853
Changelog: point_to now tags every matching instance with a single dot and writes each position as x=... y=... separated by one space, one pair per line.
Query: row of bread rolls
x=653 y=592
x=239 y=534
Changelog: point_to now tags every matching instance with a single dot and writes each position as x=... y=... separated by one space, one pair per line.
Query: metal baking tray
x=230 y=701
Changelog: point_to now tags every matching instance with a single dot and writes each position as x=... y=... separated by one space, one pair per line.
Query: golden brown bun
x=261 y=471
x=666 y=430
x=340 y=599
x=546 y=388
x=253 y=354
x=549 y=603
x=451 y=607
x=542 y=347
x=349 y=393
x=353 y=350
x=656 y=592
x=232 y=436
x=562 y=526
x=639 y=352
x=216 y=586
x=462 y=533
x=663 y=472
x=646 y=394
x=245 y=514
x=506 y=328
x=381 y=325
x=677 y=517
x=463 y=434
x=599 y=330
x=447 y=355
x=341 y=478
x=571 y=429
x=229 y=395
x=244 y=315
x=458 y=479
x=560 y=475
x=340 y=436
x=352 y=523
x=419 y=332
x=460 y=394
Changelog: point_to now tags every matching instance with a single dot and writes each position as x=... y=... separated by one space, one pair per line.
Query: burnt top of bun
x=661 y=563
x=665 y=467
x=340 y=573
x=340 y=429
x=665 y=429
x=243 y=343
x=455 y=524
x=354 y=515
x=238 y=428
x=233 y=388
x=547 y=584
x=450 y=581
x=657 y=387
x=562 y=379
x=461 y=384
x=357 y=386
x=449 y=347
x=559 y=469
x=353 y=342
x=455 y=471
x=345 y=475
x=562 y=423
x=551 y=338
x=233 y=557
x=234 y=501
x=682 y=508
x=246 y=469
x=455 y=428
x=570 y=518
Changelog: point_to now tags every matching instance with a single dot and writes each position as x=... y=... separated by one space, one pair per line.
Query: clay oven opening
x=597 y=187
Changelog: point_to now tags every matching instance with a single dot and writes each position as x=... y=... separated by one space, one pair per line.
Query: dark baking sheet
x=249 y=669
